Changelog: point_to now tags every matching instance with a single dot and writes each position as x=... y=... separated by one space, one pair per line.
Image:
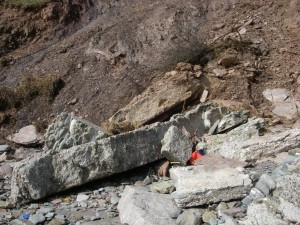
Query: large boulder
x=57 y=170
x=138 y=206
x=27 y=136
x=200 y=185
x=160 y=98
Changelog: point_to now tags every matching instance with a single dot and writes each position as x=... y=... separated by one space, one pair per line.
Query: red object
x=195 y=155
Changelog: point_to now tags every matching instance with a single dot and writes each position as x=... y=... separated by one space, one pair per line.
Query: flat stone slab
x=196 y=186
x=244 y=143
x=276 y=95
x=27 y=136
x=138 y=206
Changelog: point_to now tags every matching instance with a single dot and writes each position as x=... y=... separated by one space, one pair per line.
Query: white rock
x=82 y=197
x=276 y=95
x=27 y=136
x=138 y=206
x=196 y=186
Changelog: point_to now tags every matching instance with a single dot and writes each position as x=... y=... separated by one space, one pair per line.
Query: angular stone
x=154 y=104
x=27 y=136
x=37 y=218
x=141 y=207
x=208 y=215
x=261 y=214
x=176 y=147
x=196 y=186
x=204 y=96
x=163 y=187
x=287 y=109
x=232 y=120
x=82 y=197
x=68 y=131
x=5 y=148
x=20 y=222
x=245 y=144
x=189 y=217
x=276 y=95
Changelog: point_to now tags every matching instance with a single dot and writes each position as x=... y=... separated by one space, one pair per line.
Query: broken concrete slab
x=27 y=136
x=232 y=120
x=60 y=169
x=138 y=206
x=57 y=170
x=196 y=185
x=154 y=104
x=176 y=147
x=68 y=130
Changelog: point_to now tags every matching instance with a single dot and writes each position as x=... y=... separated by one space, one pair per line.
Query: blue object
x=26 y=216
x=201 y=152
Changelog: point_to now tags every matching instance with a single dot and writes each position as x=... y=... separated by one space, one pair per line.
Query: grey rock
x=176 y=147
x=261 y=214
x=256 y=193
x=60 y=169
x=276 y=95
x=82 y=197
x=174 y=215
x=114 y=200
x=196 y=186
x=140 y=207
x=213 y=221
x=37 y=219
x=208 y=215
x=27 y=136
x=263 y=188
x=56 y=222
x=245 y=144
x=247 y=200
x=287 y=109
x=5 y=148
x=189 y=217
x=68 y=131
x=163 y=187
x=44 y=210
x=268 y=181
x=232 y=120
x=20 y=222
